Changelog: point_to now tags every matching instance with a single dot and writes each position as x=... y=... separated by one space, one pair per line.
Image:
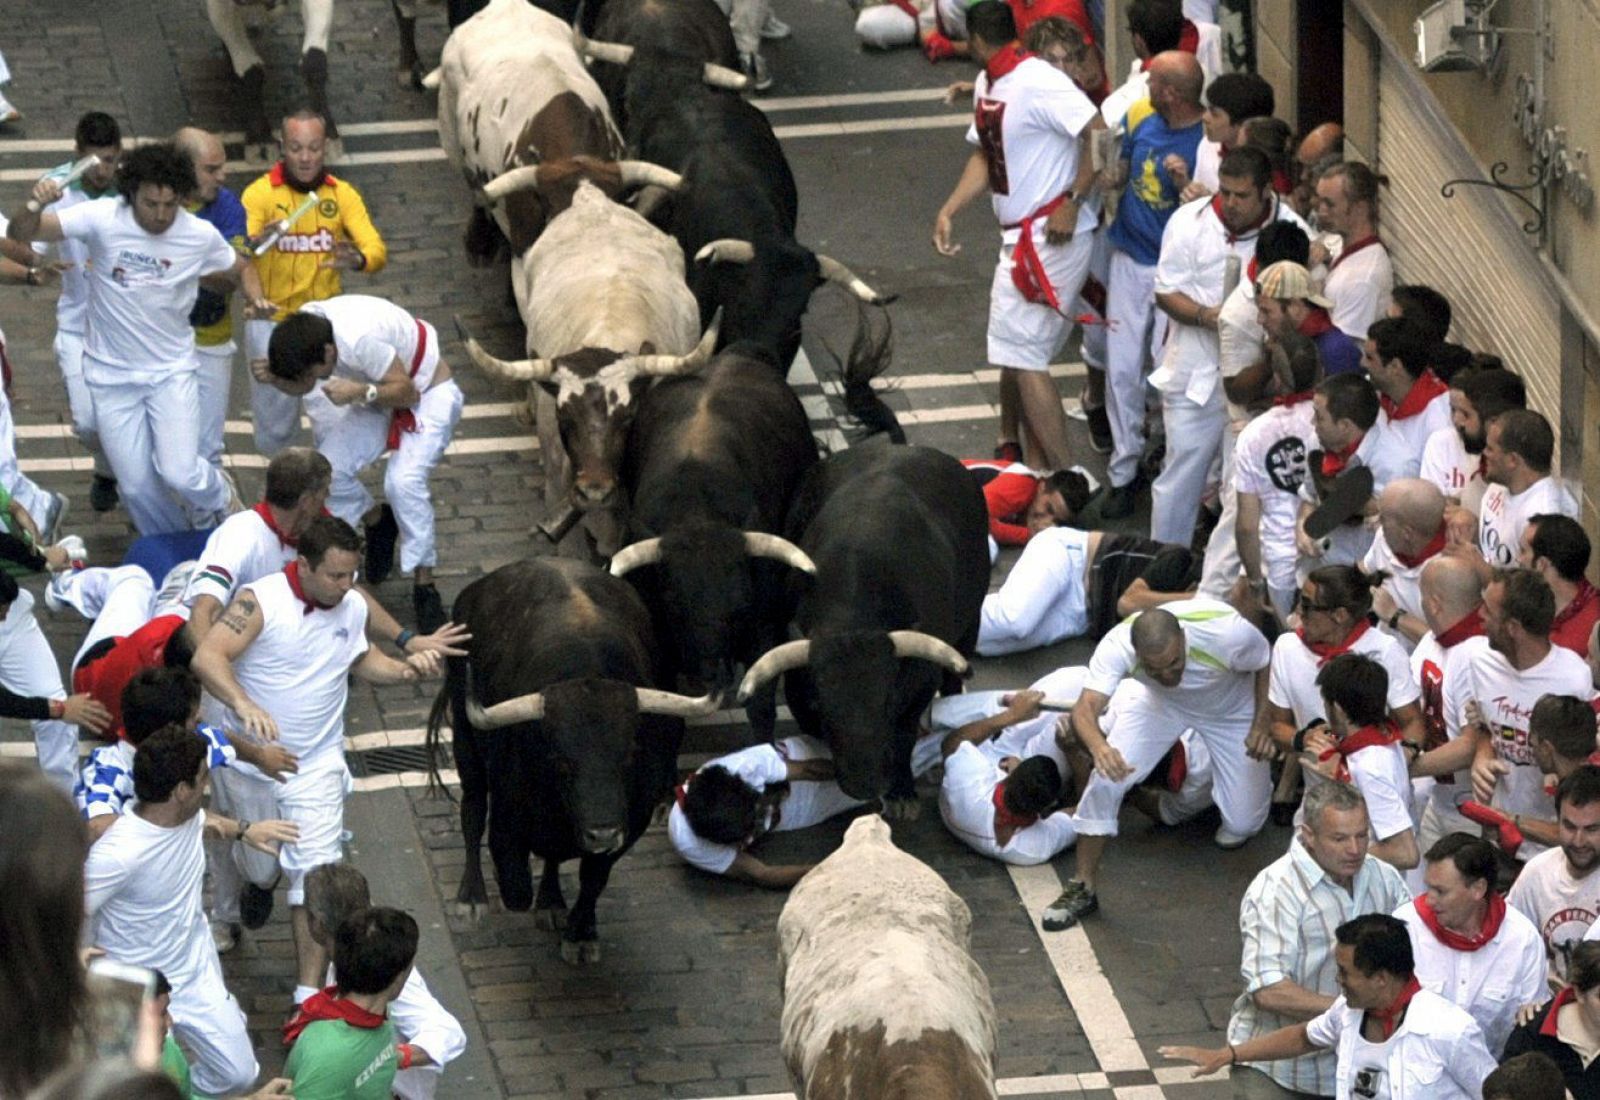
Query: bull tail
x=436 y=719
x=871 y=352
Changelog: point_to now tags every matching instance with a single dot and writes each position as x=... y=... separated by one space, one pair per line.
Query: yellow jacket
x=291 y=271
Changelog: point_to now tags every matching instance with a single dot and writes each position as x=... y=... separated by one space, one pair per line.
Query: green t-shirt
x=334 y=1061
x=176 y=1066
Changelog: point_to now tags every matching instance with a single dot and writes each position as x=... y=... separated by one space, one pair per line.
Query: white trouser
x=885 y=26
x=69 y=357
x=1193 y=795
x=312 y=798
x=1142 y=727
x=1222 y=552
x=244 y=798
x=151 y=432
x=117 y=600
x=18 y=484
x=746 y=18
x=276 y=415
x=215 y=378
x=1194 y=440
x=1043 y=600
x=812 y=802
x=1026 y=335
x=28 y=668
x=1137 y=330
x=1092 y=337
x=227 y=19
x=355 y=436
x=210 y=1026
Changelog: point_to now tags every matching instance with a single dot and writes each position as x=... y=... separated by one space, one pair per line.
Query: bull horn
x=525 y=178
x=836 y=272
x=433 y=79
x=659 y=366
x=914 y=643
x=653 y=701
x=634 y=556
x=614 y=52
x=524 y=708
x=726 y=250
x=720 y=76
x=641 y=173
x=774 y=662
x=759 y=544
x=507 y=370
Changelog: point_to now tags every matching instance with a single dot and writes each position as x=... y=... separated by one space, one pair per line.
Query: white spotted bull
x=881 y=996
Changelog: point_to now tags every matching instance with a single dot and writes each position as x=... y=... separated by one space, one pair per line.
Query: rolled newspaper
x=77 y=169
x=281 y=226
x=1230 y=274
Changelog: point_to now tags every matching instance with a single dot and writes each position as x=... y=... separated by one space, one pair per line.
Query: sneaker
x=1076 y=902
x=235 y=502
x=224 y=936
x=429 y=608
x=1009 y=451
x=755 y=67
x=1227 y=840
x=77 y=552
x=50 y=522
x=103 y=493
x=775 y=29
x=55 y=593
x=1118 y=502
x=381 y=537
x=1099 y=429
x=255 y=906
x=9 y=113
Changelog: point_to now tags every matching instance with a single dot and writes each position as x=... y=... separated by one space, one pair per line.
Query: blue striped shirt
x=105 y=785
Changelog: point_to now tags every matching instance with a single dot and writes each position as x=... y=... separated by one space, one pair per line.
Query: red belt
x=1027 y=270
x=405 y=420
x=908 y=7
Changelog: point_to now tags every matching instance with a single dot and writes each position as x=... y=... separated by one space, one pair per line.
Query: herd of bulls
x=656 y=363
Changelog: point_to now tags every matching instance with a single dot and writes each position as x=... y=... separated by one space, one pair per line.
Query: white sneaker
x=54 y=593
x=224 y=936
x=9 y=113
x=50 y=522
x=77 y=553
x=1227 y=840
x=235 y=502
x=774 y=28
x=174 y=584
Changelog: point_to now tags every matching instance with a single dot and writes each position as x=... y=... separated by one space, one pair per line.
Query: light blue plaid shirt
x=105 y=785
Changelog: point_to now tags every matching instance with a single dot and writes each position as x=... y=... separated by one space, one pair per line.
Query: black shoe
x=1075 y=903
x=1118 y=502
x=429 y=608
x=1009 y=451
x=255 y=906
x=381 y=537
x=1099 y=429
x=103 y=493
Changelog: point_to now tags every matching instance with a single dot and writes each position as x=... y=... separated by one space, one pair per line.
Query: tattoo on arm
x=237 y=617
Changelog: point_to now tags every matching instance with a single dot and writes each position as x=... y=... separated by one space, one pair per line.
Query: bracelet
x=1393 y=621
x=244 y=827
x=1299 y=740
x=406 y=1054
x=405 y=635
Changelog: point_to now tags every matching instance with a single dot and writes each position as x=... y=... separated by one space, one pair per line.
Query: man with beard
x=1518 y=452
x=1558 y=889
x=1453 y=457
x=1557 y=548
x=1360 y=278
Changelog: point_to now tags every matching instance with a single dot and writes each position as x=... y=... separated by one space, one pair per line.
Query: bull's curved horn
x=524 y=708
x=652 y=701
x=641 y=173
x=759 y=544
x=614 y=52
x=664 y=365
x=720 y=76
x=507 y=370
x=434 y=78
x=635 y=556
x=914 y=643
x=774 y=662
x=836 y=272
x=525 y=178
x=726 y=250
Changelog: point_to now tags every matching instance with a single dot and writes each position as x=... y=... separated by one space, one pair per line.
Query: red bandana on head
x=292 y=571
x=1004 y=818
x=328 y=1005
x=1435 y=544
x=1326 y=652
x=1469 y=625
x=1003 y=60
x=1455 y=941
x=1384 y=733
x=1422 y=392
x=1389 y=1018
x=1334 y=462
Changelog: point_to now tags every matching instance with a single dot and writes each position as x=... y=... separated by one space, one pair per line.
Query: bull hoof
x=472 y=911
x=580 y=953
x=902 y=809
x=551 y=919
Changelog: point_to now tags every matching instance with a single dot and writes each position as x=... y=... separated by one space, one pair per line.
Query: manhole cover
x=396 y=760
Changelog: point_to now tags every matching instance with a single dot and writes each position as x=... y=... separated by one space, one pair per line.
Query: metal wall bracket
x=1536 y=225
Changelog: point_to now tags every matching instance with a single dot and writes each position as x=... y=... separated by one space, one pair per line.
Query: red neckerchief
x=278 y=176
x=1003 y=60
x=1251 y=269
x=1389 y=1018
x=1334 y=462
x=1455 y=941
x=1249 y=230
x=1469 y=625
x=292 y=571
x=1189 y=38
x=1435 y=545
x=405 y=420
x=1580 y=599
x=1563 y=999
x=1027 y=269
x=328 y=1005
x=1427 y=386
x=1291 y=399
x=1367 y=737
x=264 y=510
x=1326 y=652
x=1316 y=322
x=1004 y=818
x=1281 y=183
x=1352 y=249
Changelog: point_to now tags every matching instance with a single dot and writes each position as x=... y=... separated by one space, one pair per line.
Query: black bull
x=575 y=771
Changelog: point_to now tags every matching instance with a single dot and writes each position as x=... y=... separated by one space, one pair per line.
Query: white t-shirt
x=1207 y=164
x=243 y=549
x=298 y=667
x=371 y=333
x=1436 y=1053
x=142 y=287
x=1503 y=515
x=1506 y=697
x=1240 y=340
x=1380 y=773
x=1293 y=684
x=1270 y=462
x=1490 y=983
x=1405 y=581
x=1442 y=675
x=1218 y=682
x=1413 y=432
x=1388 y=460
x=1360 y=284
x=1561 y=907
x=142 y=897
x=1446 y=463
x=966 y=802
x=72 y=304
x=1028 y=123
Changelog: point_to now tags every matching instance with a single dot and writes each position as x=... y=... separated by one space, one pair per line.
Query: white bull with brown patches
x=606 y=308
x=881 y=998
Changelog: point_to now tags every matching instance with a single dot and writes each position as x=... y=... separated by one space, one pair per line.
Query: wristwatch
x=371 y=395
x=244 y=827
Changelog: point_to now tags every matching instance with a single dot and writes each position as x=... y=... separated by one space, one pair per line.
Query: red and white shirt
x=1439 y=664
x=1446 y=463
x=1269 y=462
x=1561 y=906
x=1405 y=576
x=1504 y=515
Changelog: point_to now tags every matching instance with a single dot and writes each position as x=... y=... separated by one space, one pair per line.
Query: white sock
x=301 y=992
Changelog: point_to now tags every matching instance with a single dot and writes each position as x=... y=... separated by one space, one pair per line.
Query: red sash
x=328 y=1005
x=908 y=7
x=1427 y=386
x=1326 y=652
x=1455 y=941
x=1334 y=462
x=264 y=510
x=1027 y=269
x=1389 y=1018
x=1352 y=249
x=405 y=420
x=292 y=571
x=1003 y=60
x=1367 y=737
x=1469 y=625
x=1435 y=545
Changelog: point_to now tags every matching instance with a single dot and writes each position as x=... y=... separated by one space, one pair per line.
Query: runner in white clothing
x=147 y=255
x=1411 y=533
x=373 y=382
x=1360 y=279
x=280 y=660
x=1453 y=457
x=1416 y=402
x=1517 y=454
x=142 y=905
x=1558 y=889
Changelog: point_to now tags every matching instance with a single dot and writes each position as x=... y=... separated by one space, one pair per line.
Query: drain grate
x=396 y=760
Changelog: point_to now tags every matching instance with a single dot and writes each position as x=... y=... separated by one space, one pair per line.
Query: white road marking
x=1059 y=1084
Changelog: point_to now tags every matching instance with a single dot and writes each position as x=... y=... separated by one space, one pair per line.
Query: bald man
x=1320 y=143
x=1192 y=664
x=212 y=316
x=1411 y=533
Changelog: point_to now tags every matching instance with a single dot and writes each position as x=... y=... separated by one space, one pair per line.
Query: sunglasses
x=1303 y=604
